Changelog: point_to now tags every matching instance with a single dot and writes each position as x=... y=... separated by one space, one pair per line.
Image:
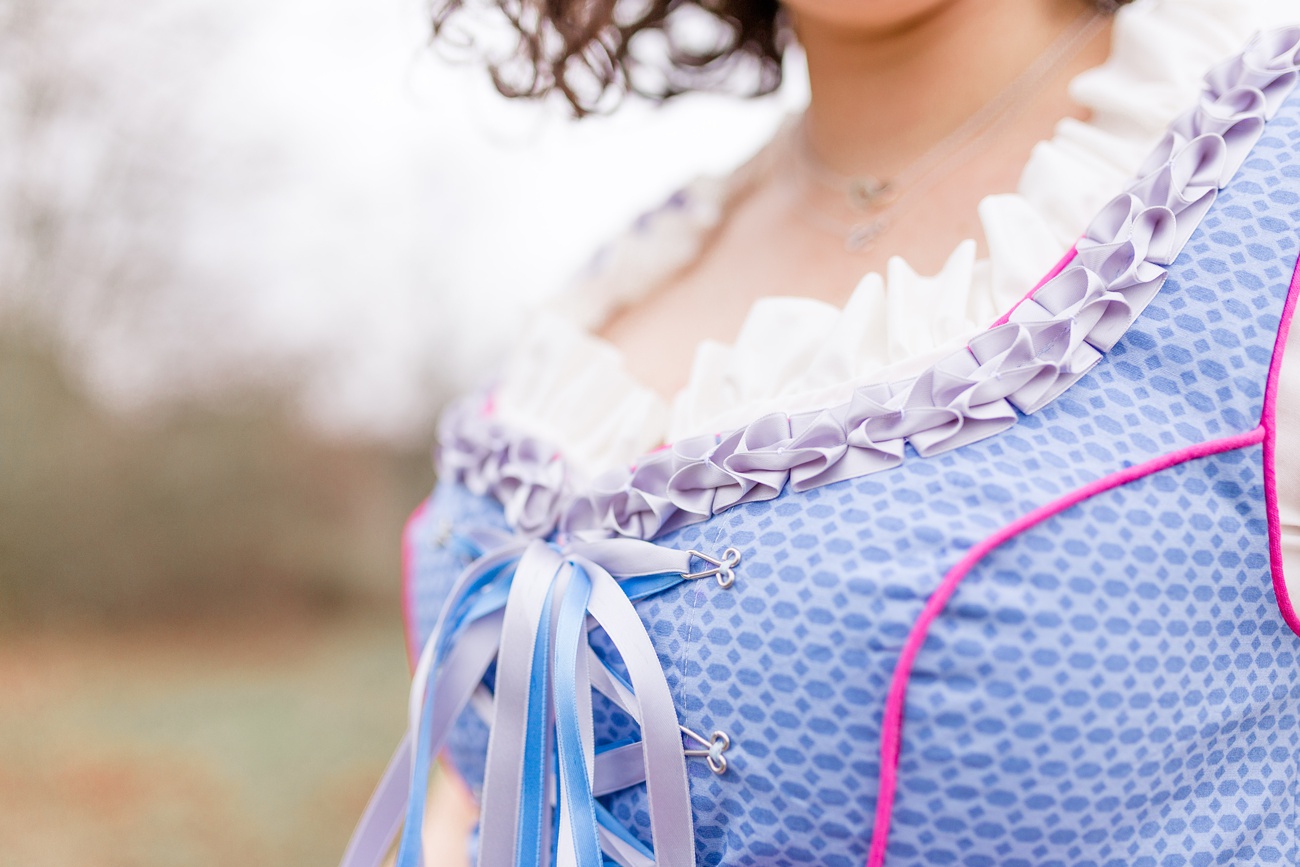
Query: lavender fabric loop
x=1049 y=342
x=524 y=473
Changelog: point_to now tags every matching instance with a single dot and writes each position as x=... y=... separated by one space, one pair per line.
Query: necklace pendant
x=862 y=235
x=867 y=193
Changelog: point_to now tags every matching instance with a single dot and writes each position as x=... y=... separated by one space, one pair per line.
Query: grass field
x=190 y=746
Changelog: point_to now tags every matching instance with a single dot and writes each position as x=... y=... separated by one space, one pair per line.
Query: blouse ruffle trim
x=793 y=355
x=1048 y=342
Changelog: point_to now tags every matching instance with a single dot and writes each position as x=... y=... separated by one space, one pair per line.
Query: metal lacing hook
x=714 y=749
x=724 y=569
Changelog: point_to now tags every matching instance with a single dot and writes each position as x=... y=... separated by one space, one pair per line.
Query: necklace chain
x=883 y=199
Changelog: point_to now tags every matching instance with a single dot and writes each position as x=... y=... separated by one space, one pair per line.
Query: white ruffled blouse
x=570 y=387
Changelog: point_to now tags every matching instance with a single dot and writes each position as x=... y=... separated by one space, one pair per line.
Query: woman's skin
x=449 y=817
x=890 y=79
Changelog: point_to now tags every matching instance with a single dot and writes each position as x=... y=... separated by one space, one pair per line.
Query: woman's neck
x=883 y=95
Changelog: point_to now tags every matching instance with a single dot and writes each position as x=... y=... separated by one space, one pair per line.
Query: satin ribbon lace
x=528 y=605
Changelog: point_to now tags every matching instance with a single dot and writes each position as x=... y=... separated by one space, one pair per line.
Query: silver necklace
x=884 y=200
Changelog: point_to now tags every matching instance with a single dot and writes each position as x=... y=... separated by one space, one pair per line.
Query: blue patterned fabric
x=1114 y=686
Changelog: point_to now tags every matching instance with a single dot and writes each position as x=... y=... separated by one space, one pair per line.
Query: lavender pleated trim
x=1051 y=340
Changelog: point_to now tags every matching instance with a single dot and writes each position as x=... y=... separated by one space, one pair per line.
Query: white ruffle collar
x=566 y=385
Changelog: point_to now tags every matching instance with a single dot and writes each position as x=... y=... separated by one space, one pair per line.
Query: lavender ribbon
x=529 y=607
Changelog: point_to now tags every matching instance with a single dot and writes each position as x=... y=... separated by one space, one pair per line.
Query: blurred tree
x=221 y=500
x=230 y=510
x=90 y=184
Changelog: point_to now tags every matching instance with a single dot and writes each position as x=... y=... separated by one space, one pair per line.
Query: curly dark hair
x=594 y=52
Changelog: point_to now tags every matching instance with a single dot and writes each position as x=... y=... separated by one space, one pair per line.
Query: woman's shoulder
x=566 y=385
x=660 y=240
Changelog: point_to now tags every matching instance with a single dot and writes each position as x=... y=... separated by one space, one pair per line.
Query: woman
x=921 y=590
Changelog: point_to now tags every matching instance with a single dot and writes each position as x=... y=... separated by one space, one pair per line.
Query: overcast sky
x=386 y=215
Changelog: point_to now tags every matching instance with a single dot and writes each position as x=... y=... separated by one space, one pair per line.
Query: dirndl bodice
x=1026 y=609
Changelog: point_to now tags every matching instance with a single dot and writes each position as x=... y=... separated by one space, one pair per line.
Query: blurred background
x=247 y=250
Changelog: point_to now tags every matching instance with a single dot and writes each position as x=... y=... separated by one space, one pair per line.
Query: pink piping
x=408 y=583
x=1269 y=422
x=891 y=733
x=1056 y=269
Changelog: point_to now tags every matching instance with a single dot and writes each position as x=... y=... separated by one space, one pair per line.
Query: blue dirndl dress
x=1025 y=609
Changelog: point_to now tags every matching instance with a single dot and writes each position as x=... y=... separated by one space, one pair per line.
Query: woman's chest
x=1127 y=637
x=1071 y=609
x=775 y=240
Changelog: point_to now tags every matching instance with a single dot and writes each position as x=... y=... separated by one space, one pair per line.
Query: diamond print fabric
x=435 y=556
x=1115 y=687
x=1112 y=687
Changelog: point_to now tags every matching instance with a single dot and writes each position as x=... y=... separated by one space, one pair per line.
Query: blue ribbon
x=532 y=803
x=458 y=613
x=575 y=776
x=483 y=590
